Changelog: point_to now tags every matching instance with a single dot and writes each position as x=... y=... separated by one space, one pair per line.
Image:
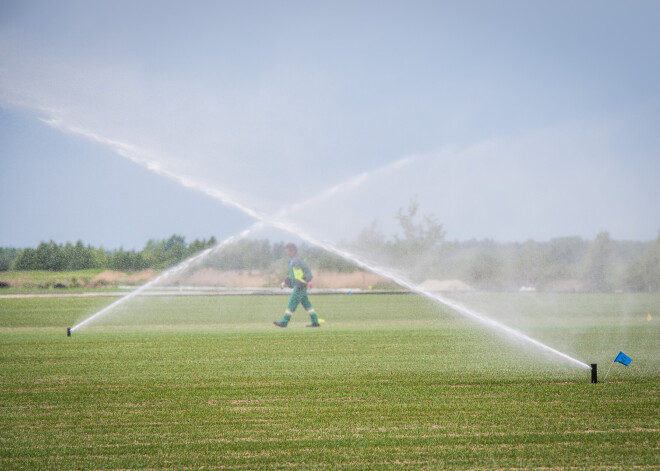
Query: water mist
x=144 y=158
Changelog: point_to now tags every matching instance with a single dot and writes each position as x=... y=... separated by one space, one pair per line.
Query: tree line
x=245 y=254
x=419 y=249
x=50 y=256
x=564 y=263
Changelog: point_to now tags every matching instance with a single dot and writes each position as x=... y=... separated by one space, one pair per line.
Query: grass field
x=389 y=382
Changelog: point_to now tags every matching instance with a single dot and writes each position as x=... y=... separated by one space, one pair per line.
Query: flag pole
x=608 y=371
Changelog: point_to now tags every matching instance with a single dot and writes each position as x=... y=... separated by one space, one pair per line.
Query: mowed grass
x=389 y=382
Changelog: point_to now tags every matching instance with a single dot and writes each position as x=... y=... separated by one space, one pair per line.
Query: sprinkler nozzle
x=594 y=373
x=68 y=331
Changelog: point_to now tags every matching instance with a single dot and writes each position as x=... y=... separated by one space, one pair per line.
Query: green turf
x=389 y=382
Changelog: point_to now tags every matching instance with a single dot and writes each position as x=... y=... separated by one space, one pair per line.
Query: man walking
x=298 y=277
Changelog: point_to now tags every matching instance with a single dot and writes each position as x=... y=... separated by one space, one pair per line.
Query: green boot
x=284 y=321
x=315 y=320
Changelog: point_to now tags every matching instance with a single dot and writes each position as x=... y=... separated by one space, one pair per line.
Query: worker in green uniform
x=298 y=278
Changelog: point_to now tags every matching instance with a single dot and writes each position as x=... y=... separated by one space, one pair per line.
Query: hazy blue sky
x=519 y=119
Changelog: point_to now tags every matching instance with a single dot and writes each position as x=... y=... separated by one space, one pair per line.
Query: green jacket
x=299 y=272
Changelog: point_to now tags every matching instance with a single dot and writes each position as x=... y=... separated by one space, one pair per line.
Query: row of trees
x=565 y=263
x=263 y=255
x=419 y=250
x=562 y=263
x=50 y=256
x=245 y=254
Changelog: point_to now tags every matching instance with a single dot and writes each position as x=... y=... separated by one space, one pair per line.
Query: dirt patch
x=211 y=278
x=208 y=277
x=357 y=279
x=110 y=277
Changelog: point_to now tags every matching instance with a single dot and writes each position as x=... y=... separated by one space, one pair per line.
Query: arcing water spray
x=143 y=158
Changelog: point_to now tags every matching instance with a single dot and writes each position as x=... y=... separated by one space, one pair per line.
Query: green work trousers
x=299 y=296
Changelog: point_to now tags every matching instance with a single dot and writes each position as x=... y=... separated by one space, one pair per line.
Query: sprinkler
x=68 y=331
x=594 y=373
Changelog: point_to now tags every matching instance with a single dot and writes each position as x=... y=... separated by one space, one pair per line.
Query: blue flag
x=623 y=359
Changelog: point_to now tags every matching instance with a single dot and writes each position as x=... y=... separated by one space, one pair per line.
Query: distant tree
x=529 y=263
x=564 y=257
x=47 y=256
x=277 y=250
x=161 y=254
x=51 y=256
x=25 y=260
x=197 y=246
x=127 y=261
x=371 y=241
x=321 y=259
x=417 y=249
x=486 y=271
x=419 y=236
x=598 y=264
x=244 y=254
x=79 y=257
x=154 y=253
x=175 y=249
x=7 y=257
x=101 y=258
x=643 y=273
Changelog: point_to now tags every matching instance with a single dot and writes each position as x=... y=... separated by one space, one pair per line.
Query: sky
x=124 y=121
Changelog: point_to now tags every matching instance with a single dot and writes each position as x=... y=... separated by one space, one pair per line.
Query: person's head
x=291 y=249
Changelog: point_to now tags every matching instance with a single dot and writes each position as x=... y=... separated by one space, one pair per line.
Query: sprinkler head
x=68 y=331
x=594 y=373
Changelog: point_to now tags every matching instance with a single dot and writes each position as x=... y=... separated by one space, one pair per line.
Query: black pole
x=68 y=331
x=594 y=373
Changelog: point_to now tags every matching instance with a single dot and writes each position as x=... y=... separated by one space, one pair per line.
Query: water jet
x=146 y=159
